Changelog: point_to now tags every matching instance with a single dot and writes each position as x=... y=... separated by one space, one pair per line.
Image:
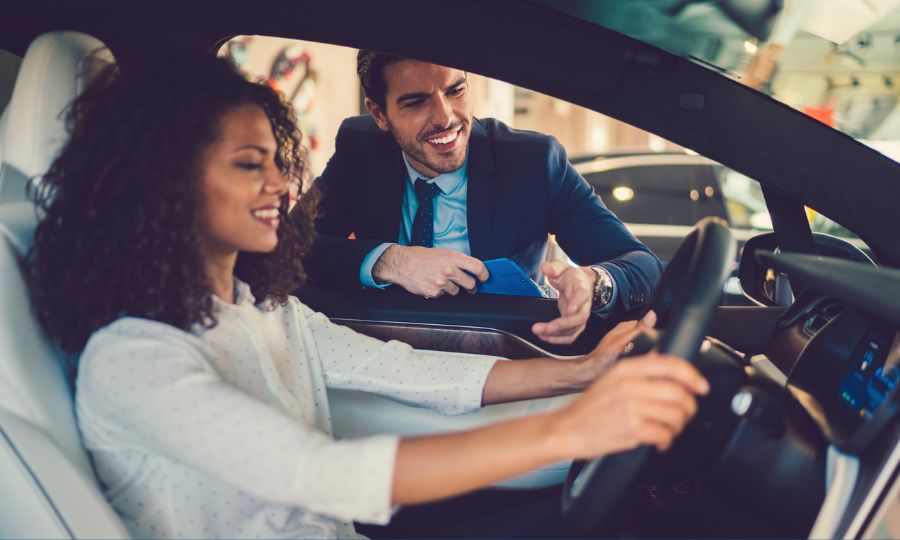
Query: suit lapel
x=387 y=202
x=482 y=190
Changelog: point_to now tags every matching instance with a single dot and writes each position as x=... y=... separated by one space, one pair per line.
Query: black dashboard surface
x=848 y=373
x=875 y=290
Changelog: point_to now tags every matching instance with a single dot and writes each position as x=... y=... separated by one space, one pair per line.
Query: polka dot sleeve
x=451 y=384
x=156 y=394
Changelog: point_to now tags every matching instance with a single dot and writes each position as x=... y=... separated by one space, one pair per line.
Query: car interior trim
x=886 y=504
x=440 y=337
x=762 y=364
x=878 y=486
x=842 y=472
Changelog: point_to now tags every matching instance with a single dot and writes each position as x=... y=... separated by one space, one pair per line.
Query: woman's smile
x=267 y=215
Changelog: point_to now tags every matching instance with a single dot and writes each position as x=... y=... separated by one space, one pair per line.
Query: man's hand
x=576 y=293
x=429 y=272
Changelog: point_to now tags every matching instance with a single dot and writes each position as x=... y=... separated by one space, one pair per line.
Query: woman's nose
x=276 y=183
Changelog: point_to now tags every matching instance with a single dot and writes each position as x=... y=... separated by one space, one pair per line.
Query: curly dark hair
x=370 y=69
x=122 y=203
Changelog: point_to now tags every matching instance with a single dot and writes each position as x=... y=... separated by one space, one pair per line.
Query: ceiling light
x=623 y=193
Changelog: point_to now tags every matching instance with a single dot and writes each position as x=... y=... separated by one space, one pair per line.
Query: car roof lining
x=585 y=64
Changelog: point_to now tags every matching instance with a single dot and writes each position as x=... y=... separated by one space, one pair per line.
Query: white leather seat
x=48 y=488
x=52 y=73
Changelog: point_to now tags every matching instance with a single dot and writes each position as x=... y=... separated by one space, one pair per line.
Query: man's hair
x=370 y=68
x=123 y=203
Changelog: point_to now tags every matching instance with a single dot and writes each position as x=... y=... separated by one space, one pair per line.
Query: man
x=428 y=192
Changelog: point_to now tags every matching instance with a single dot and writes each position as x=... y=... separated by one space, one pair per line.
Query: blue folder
x=506 y=277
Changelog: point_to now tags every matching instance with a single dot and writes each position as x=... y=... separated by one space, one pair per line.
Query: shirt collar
x=447 y=181
x=242 y=294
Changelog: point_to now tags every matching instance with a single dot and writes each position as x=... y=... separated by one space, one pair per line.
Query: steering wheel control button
x=682 y=487
x=741 y=402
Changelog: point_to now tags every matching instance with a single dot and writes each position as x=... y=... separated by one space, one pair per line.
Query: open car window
x=642 y=178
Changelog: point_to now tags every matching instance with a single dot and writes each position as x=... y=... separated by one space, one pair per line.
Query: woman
x=166 y=257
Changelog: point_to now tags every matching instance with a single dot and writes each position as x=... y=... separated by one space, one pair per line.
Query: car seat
x=48 y=487
x=52 y=73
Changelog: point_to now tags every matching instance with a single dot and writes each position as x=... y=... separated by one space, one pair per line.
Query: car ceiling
x=546 y=51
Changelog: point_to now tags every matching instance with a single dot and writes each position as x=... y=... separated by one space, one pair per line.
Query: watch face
x=602 y=288
x=605 y=292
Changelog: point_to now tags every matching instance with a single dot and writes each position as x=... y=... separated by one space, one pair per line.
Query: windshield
x=836 y=60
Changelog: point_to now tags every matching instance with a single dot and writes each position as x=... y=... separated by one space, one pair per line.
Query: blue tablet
x=508 y=278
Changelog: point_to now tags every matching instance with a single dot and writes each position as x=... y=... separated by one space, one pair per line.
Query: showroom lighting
x=623 y=193
x=656 y=143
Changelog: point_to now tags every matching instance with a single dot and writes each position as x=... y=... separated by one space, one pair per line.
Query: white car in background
x=660 y=196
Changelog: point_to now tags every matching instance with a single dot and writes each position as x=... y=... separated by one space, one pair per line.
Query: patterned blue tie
x=423 y=223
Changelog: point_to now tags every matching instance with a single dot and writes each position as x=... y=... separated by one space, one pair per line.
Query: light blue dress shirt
x=450 y=217
x=450 y=221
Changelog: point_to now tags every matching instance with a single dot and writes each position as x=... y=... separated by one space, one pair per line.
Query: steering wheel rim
x=686 y=296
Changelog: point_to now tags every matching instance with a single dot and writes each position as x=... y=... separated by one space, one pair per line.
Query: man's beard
x=413 y=149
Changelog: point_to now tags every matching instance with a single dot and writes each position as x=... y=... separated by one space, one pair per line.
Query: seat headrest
x=53 y=72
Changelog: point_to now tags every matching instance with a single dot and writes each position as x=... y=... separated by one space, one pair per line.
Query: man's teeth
x=266 y=213
x=444 y=140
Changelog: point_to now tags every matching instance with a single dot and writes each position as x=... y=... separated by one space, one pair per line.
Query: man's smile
x=447 y=141
x=450 y=137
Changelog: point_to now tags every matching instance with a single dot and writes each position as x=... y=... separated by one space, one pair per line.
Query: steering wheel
x=688 y=291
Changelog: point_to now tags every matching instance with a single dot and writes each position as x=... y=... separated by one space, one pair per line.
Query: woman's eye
x=250 y=166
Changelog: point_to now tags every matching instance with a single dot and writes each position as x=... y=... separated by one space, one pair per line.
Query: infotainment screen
x=873 y=375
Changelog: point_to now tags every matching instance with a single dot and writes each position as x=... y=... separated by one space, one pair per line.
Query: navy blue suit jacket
x=520 y=187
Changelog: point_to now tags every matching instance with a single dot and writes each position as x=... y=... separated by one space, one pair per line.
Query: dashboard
x=873 y=373
x=840 y=353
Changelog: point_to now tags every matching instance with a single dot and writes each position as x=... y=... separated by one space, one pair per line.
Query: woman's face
x=242 y=186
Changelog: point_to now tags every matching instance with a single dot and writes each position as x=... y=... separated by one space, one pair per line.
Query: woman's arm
x=451 y=384
x=542 y=377
x=645 y=400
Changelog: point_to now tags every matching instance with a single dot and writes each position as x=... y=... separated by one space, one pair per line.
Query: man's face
x=427 y=110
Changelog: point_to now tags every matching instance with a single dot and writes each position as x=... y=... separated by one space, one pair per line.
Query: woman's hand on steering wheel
x=613 y=344
x=644 y=400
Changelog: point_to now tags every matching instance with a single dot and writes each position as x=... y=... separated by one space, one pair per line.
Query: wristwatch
x=603 y=288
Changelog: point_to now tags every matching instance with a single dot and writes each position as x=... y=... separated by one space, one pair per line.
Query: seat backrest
x=33 y=379
x=53 y=71
x=47 y=485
